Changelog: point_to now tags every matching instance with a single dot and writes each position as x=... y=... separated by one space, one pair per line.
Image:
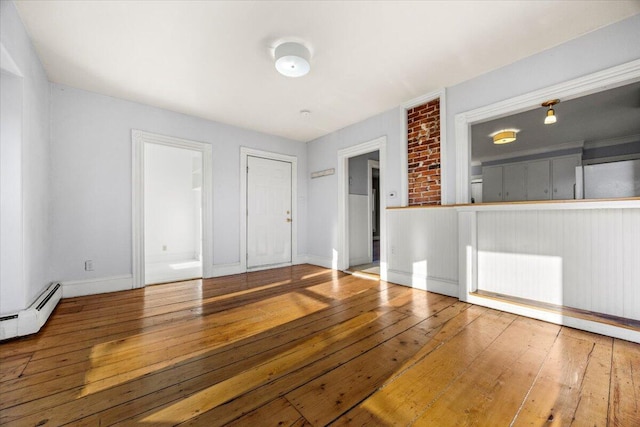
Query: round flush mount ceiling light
x=504 y=136
x=292 y=59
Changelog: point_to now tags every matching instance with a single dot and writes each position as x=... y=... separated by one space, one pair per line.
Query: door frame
x=380 y=145
x=139 y=138
x=371 y=165
x=245 y=152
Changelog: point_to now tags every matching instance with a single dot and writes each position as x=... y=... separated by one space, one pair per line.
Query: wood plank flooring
x=304 y=346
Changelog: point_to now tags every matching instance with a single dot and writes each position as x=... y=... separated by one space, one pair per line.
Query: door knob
x=289 y=219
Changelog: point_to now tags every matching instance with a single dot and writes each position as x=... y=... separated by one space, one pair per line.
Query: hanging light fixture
x=551 y=114
x=504 y=136
x=292 y=59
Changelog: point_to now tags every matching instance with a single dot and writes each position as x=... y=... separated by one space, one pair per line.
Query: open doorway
x=364 y=213
x=341 y=254
x=172 y=209
x=173 y=213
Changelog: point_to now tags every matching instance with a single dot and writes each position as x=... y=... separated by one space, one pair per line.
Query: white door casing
x=341 y=255
x=139 y=138
x=268 y=212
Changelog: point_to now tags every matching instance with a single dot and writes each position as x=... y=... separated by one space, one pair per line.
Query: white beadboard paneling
x=631 y=268
x=576 y=248
x=583 y=258
x=423 y=243
x=606 y=267
x=359 y=239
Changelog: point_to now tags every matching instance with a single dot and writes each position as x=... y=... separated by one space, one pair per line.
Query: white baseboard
x=101 y=285
x=359 y=261
x=219 y=270
x=300 y=259
x=558 y=319
x=426 y=283
x=320 y=261
x=170 y=257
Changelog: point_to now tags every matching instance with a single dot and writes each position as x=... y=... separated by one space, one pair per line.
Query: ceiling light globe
x=551 y=117
x=292 y=59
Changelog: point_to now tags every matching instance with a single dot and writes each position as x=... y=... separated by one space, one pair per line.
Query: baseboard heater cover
x=30 y=320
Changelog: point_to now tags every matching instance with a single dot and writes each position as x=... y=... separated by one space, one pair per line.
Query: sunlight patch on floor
x=109 y=370
x=270 y=370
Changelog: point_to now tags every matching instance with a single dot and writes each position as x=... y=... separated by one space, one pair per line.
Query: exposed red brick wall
x=423 y=145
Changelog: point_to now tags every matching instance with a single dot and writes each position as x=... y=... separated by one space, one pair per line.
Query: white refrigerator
x=608 y=180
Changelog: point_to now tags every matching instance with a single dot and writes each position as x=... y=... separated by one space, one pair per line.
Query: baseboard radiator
x=30 y=320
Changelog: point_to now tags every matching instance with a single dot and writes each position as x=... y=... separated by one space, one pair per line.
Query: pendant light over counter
x=550 y=118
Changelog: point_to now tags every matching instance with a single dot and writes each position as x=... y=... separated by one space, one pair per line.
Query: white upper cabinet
x=538 y=180
x=515 y=182
x=492 y=184
x=563 y=171
x=534 y=180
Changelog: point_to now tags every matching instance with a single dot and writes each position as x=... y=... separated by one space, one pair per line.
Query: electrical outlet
x=393 y=250
x=88 y=265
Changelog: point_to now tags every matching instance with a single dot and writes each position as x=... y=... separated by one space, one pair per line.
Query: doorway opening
x=364 y=213
x=172 y=214
x=361 y=208
x=172 y=209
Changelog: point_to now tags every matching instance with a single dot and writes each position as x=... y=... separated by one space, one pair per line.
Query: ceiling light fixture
x=292 y=59
x=504 y=136
x=551 y=114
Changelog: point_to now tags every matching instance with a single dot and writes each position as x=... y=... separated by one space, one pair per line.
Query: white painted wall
x=91 y=180
x=12 y=291
x=171 y=208
x=33 y=162
x=359 y=238
x=323 y=154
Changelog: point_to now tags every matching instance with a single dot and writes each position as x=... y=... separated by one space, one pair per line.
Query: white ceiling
x=215 y=59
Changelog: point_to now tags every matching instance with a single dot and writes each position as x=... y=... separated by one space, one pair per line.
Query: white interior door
x=268 y=212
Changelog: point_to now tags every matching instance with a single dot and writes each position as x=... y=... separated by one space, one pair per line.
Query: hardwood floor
x=307 y=346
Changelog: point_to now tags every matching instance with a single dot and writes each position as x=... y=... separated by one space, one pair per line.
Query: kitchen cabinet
x=538 y=180
x=563 y=170
x=515 y=182
x=491 y=184
x=533 y=180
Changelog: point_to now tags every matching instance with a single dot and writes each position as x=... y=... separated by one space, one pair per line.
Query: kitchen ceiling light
x=550 y=118
x=292 y=59
x=504 y=137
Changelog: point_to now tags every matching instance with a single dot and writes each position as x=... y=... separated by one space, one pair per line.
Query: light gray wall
x=605 y=48
x=33 y=206
x=628 y=149
x=323 y=154
x=91 y=179
x=358 y=172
